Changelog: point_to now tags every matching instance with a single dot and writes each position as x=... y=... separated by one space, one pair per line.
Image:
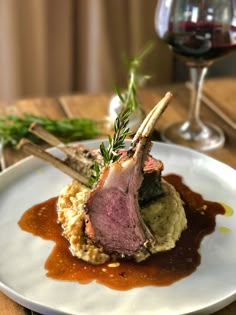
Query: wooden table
x=222 y=92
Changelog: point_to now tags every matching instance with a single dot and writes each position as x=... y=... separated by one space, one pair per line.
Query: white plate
x=22 y=256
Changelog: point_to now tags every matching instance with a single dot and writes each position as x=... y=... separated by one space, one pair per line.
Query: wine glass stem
x=197 y=76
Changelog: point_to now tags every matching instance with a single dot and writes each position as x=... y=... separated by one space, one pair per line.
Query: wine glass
x=199 y=33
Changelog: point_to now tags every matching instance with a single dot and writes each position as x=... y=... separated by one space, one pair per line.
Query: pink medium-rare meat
x=113 y=217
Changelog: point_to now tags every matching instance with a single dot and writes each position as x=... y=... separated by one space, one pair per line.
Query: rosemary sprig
x=13 y=128
x=129 y=97
x=129 y=103
x=116 y=142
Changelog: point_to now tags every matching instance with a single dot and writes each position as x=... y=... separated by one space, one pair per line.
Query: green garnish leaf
x=129 y=103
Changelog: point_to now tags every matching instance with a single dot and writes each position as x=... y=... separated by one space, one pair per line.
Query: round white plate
x=22 y=255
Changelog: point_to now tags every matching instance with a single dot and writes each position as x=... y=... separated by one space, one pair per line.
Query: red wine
x=201 y=42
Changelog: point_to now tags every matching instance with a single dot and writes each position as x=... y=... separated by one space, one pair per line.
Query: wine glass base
x=209 y=137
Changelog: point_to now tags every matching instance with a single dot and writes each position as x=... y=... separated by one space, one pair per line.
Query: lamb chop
x=113 y=219
x=79 y=162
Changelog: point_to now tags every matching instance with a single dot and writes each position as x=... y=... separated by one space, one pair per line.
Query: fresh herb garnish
x=116 y=142
x=128 y=97
x=13 y=128
x=129 y=103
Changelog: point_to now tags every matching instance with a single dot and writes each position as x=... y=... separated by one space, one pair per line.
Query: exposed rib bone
x=149 y=122
x=158 y=111
x=37 y=151
x=142 y=136
x=43 y=134
x=49 y=138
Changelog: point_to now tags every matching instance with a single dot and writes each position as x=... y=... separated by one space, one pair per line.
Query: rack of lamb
x=131 y=212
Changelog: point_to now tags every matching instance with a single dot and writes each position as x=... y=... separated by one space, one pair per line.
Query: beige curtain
x=51 y=47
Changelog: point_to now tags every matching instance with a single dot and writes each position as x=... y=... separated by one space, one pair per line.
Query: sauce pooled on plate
x=160 y=269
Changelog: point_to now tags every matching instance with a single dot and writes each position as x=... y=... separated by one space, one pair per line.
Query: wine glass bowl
x=199 y=32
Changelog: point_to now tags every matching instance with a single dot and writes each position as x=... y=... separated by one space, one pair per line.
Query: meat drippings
x=160 y=269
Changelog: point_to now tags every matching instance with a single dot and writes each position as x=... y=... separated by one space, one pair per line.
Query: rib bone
x=31 y=148
x=78 y=157
x=147 y=126
x=49 y=138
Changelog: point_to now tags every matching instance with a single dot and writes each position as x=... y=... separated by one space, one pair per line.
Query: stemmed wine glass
x=199 y=32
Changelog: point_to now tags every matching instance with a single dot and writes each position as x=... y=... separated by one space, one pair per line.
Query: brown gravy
x=161 y=269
